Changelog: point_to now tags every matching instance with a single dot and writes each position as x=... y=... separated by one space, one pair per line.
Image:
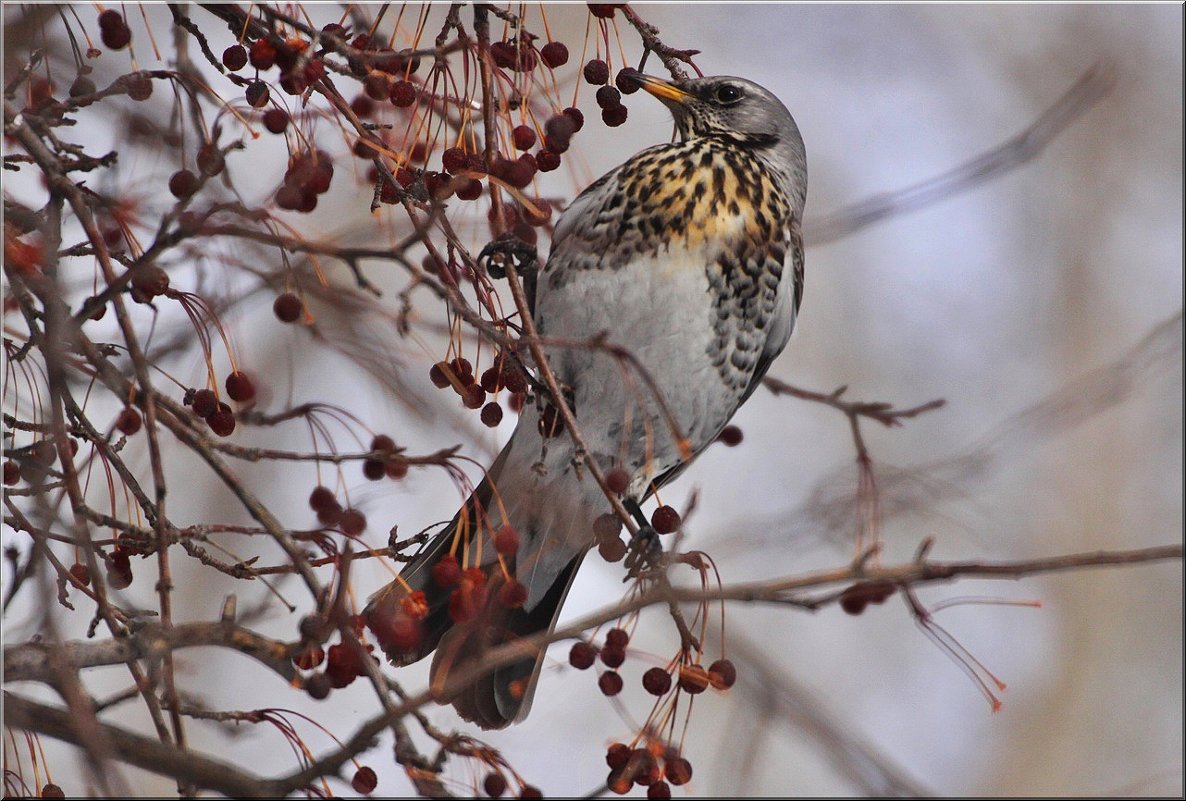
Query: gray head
x=737 y=109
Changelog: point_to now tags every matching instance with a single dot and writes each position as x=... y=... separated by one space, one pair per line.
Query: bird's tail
x=474 y=588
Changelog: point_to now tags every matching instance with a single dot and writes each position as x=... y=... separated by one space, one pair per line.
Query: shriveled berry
x=288 y=307
x=491 y=414
x=462 y=368
x=211 y=160
x=608 y=97
x=119 y=569
x=693 y=679
x=257 y=94
x=82 y=86
x=365 y=781
x=12 y=472
x=276 y=120
x=523 y=137
x=614 y=116
x=596 y=72
x=239 y=387
x=494 y=785
x=321 y=498
x=610 y=683
x=554 y=54
x=678 y=771
x=81 y=573
x=128 y=421
x=617 y=638
x=612 y=656
x=730 y=435
x=318 y=686
x=353 y=522
x=506 y=540
x=446 y=572
x=617 y=755
x=140 y=86
x=625 y=82
x=205 y=402
x=722 y=674
x=234 y=57
x=582 y=655
x=665 y=520
x=403 y=94
x=150 y=281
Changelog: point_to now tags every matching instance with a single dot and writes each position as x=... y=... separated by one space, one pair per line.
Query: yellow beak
x=662 y=89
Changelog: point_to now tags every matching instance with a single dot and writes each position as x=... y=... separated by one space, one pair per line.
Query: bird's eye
x=728 y=94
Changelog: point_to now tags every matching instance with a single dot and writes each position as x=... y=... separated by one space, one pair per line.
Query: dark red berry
x=257 y=94
x=205 y=402
x=604 y=10
x=854 y=599
x=610 y=683
x=110 y=19
x=656 y=681
x=462 y=368
x=365 y=781
x=612 y=657
x=276 y=120
x=730 y=435
x=382 y=442
x=119 y=569
x=665 y=520
x=403 y=94
x=234 y=57
x=362 y=106
x=12 y=472
x=396 y=468
x=506 y=540
x=330 y=514
x=309 y=658
x=617 y=480
x=617 y=638
x=576 y=117
x=625 y=82
x=558 y=131
x=454 y=160
x=530 y=791
x=51 y=790
x=491 y=414
x=128 y=421
x=182 y=184
x=554 y=54
x=321 y=498
x=512 y=594
x=239 y=387
x=612 y=549
x=446 y=572
x=222 y=422
x=116 y=37
x=150 y=281
x=643 y=767
x=377 y=86
x=618 y=783
x=439 y=374
x=474 y=397
x=722 y=674
x=81 y=573
x=288 y=307
x=678 y=771
x=211 y=160
x=617 y=755
x=582 y=655
x=659 y=791
x=606 y=526
x=317 y=686
x=470 y=190
x=523 y=137
x=546 y=160
x=614 y=116
x=373 y=469
x=596 y=72
x=353 y=522
x=494 y=785
x=693 y=679
x=263 y=54
x=608 y=97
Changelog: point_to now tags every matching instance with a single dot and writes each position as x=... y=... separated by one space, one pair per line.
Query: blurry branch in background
x=1022 y=148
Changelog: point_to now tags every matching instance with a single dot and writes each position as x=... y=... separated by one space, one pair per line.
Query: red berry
x=403 y=94
x=373 y=469
x=362 y=106
x=239 y=387
x=693 y=679
x=582 y=655
x=523 y=137
x=604 y=10
x=506 y=540
x=463 y=370
x=494 y=785
x=12 y=472
x=659 y=791
x=617 y=755
x=554 y=54
x=110 y=19
x=205 y=402
x=512 y=594
x=276 y=120
x=454 y=160
x=665 y=520
x=211 y=160
x=353 y=522
x=116 y=37
x=576 y=117
x=51 y=790
x=439 y=374
x=608 y=97
x=607 y=527
x=377 y=86
x=128 y=421
x=617 y=638
x=309 y=658
x=722 y=674
x=546 y=160
x=854 y=599
x=81 y=573
x=182 y=184
x=610 y=683
x=317 y=686
x=234 y=57
x=446 y=572
x=470 y=190
x=596 y=72
x=119 y=569
x=656 y=681
x=382 y=442
x=612 y=657
x=396 y=468
x=558 y=131
x=491 y=414
x=321 y=498
x=257 y=94
x=365 y=781
x=618 y=480
x=623 y=80
x=222 y=422
x=730 y=435
x=530 y=791
x=614 y=116
x=263 y=54
x=288 y=308
x=330 y=514
x=473 y=397
x=643 y=767
x=678 y=771
x=612 y=549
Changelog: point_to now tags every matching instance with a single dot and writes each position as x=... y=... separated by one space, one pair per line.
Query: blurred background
x=1040 y=306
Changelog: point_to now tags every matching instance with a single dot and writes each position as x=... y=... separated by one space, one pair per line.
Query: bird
x=689 y=256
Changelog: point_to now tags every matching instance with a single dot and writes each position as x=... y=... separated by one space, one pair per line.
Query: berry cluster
x=655 y=767
x=330 y=512
x=504 y=373
x=217 y=414
x=389 y=463
x=308 y=175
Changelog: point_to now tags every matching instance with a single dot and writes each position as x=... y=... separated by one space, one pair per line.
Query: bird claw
x=507 y=248
x=645 y=552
